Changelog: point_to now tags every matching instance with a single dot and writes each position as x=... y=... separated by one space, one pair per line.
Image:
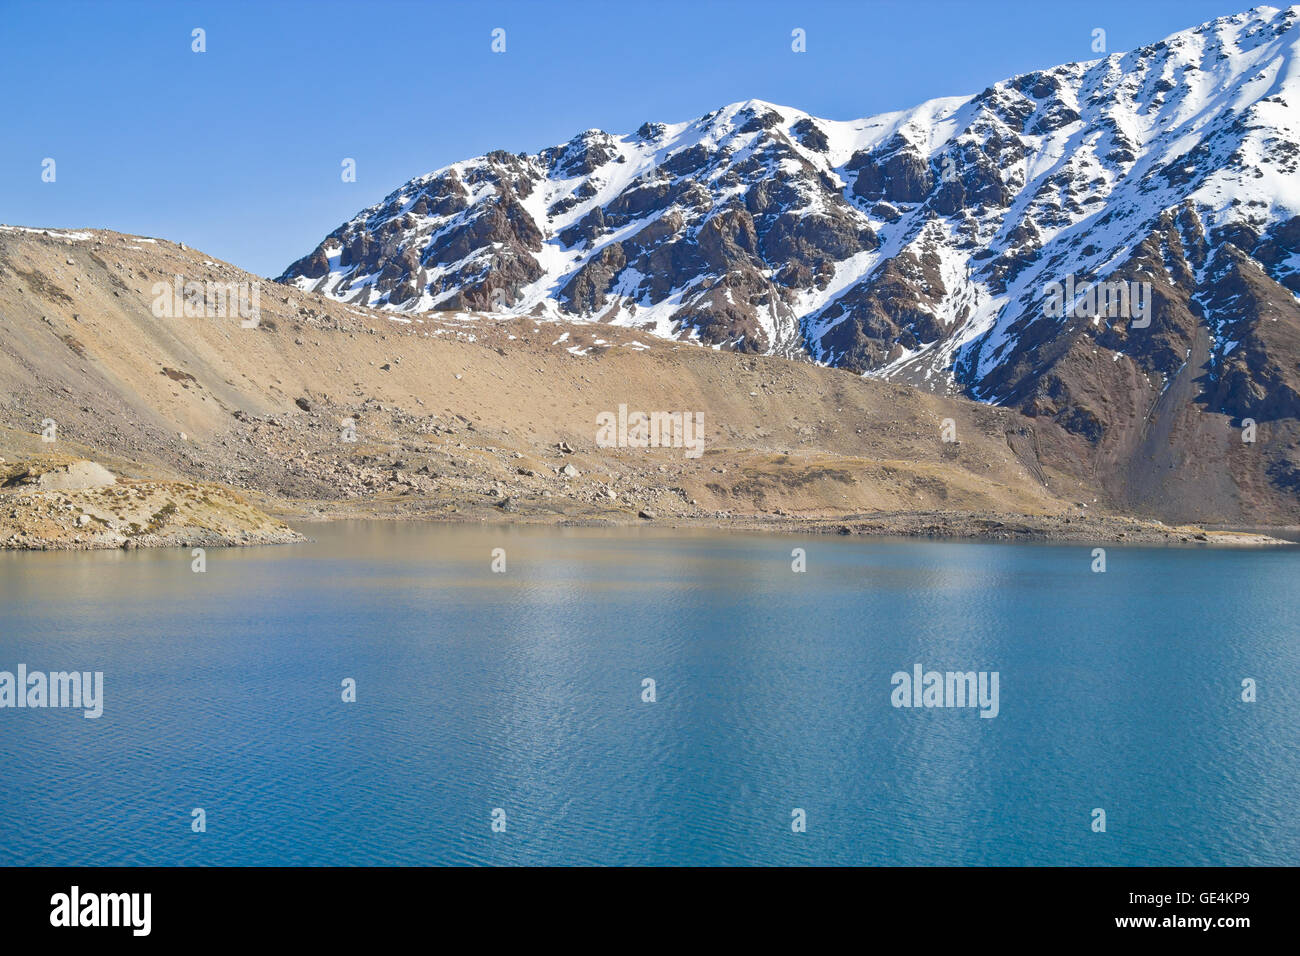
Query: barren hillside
x=456 y=415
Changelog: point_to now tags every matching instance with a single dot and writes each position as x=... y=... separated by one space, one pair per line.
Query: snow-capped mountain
x=921 y=245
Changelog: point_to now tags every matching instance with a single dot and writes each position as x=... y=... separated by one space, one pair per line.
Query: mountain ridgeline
x=922 y=245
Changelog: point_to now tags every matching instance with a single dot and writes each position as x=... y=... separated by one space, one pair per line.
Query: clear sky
x=237 y=150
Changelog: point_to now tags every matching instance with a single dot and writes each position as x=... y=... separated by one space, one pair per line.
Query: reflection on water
x=522 y=691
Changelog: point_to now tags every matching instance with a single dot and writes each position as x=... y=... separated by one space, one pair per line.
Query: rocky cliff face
x=922 y=245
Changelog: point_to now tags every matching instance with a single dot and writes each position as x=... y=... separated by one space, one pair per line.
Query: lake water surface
x=523 y=691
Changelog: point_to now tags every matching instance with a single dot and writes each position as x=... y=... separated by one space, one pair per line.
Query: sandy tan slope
x=473 y=416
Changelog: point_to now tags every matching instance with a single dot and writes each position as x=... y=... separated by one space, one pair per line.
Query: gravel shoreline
x=990 y=527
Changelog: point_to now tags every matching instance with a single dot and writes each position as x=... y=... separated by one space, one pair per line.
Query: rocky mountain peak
x=917 y=245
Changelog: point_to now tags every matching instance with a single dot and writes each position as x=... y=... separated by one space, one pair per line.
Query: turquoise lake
x=522 y=693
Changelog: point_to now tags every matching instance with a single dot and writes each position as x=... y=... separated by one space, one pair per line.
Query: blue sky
x=237 y=150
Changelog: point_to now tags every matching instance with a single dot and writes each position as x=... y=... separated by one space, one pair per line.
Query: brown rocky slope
x=478 y=418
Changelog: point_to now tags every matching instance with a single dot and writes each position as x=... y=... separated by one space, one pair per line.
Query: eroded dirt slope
x=325 y=408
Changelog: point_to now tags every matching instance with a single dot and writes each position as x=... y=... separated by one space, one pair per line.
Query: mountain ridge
x=917 y=245
x=569 y=243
